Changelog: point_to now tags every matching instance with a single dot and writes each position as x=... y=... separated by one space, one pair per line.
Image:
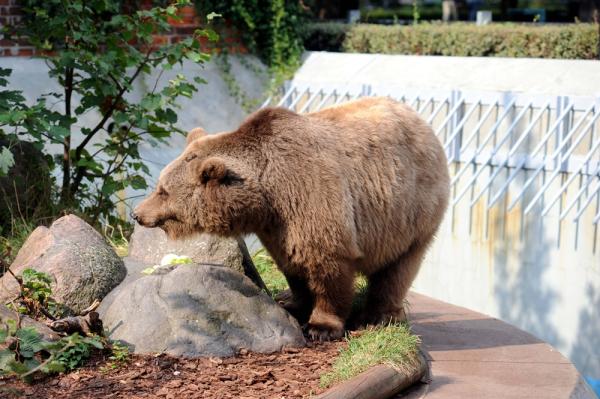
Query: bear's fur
x=360 y=187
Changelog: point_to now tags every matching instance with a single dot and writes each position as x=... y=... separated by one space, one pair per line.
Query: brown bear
x=356 y=188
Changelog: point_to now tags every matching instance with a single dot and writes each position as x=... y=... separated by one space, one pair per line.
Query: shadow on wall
x=589 y=337
x=523 y=297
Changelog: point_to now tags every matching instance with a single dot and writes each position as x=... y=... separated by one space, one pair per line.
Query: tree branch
x=112 y=107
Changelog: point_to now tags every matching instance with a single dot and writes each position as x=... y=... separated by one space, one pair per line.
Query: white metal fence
x=534 y=154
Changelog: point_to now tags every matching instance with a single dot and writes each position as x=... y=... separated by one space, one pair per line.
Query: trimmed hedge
x=572 y=41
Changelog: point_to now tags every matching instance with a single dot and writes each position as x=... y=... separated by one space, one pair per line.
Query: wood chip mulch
x=293 y=373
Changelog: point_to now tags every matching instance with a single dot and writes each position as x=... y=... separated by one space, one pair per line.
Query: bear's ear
x=212 y=169
x=195 y=134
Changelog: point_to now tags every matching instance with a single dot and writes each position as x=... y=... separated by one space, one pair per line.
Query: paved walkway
x=476 y=356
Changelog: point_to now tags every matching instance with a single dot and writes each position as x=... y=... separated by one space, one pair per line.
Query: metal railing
x=537 y=153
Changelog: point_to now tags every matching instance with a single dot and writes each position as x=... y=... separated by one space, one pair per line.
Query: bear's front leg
x=332 y=286
x=297 y=300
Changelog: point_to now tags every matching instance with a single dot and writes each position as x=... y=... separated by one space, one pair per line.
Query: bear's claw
x=322 y=333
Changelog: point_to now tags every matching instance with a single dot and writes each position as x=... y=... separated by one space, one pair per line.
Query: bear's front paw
x=323 y=333
x=324 y=327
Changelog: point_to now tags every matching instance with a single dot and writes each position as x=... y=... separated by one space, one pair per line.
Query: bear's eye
x=162 y=192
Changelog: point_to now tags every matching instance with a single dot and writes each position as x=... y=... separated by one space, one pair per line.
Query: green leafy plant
x=15 y=115
x=120 y=355
x=35 y=294
x=27 y=352
x=96 y=52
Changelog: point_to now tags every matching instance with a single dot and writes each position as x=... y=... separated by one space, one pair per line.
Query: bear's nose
x=134 y=216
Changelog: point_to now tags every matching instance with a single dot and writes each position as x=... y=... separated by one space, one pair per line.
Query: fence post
x=455 y=97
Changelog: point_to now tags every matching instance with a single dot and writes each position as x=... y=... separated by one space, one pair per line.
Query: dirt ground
x=293 y=373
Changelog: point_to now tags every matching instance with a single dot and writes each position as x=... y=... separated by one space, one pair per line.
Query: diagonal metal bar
x=437 y=110
x=587 y=201
x=494 y=150
x=511 y=152
x=562 y=157
x=325 y=99
x=310 y=100
x=476 y=129
x=495 y=127
x=267 y=102
x=459 y=103
x=573 y=176
x=556 y=152
x=286 y=96
x=458 y=127
x=298 y=98
x=413 y=102
x=421 y=109
x=342 y=97
x=597 y=218
x=522 y=163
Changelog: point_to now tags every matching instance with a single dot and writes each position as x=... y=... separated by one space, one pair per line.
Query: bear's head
x=204 y=191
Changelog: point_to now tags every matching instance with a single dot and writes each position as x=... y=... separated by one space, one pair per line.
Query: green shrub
x=574 y=41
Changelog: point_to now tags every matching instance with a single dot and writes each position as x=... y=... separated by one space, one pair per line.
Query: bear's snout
x=145 y=218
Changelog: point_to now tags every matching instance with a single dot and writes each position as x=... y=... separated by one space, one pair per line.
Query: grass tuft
x=117 y=239
x=393 y=345
x=273 y=278
x=13 y=239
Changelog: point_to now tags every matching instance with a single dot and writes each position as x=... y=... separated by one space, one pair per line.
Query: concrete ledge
x=530 y=75
x=475 y=356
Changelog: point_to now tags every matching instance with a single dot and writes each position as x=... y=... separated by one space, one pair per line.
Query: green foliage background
x=96 y=50
x=270 y=28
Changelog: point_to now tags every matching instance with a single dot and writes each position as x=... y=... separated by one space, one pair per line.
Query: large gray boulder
x=83 y=266
x=149 y=246
x=197 y=310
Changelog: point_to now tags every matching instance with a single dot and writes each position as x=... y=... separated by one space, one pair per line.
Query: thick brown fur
x=357 y=188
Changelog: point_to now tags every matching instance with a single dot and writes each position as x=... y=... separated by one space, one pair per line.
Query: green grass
x=116 y=237
x=273 y=278
x=393 y=345
x=13 y=239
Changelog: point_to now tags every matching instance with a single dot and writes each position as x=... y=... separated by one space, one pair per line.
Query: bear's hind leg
x=333 y=289
x=297 y=300
x=388 y=288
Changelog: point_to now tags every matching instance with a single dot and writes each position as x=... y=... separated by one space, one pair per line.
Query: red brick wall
x=10 y=14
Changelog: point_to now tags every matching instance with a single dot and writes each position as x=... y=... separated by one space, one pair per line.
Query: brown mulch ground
x=293 y=373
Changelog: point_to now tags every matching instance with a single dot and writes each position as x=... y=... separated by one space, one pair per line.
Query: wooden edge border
x=378 y=382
